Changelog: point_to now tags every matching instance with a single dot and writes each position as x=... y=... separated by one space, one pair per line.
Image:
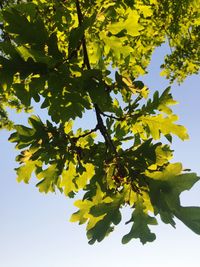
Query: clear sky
x=35 y=229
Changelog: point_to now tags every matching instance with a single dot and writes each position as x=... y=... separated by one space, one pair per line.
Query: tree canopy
x=79 y=57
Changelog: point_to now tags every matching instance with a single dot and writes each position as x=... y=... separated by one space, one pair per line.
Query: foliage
x=59 y=54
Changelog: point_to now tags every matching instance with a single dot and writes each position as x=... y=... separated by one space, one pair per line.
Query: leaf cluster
x=59 y=54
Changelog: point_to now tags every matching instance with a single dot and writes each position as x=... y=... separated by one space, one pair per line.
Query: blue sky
x=34 y=228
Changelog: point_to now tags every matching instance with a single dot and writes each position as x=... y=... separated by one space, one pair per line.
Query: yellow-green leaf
x=67 y=179
x=83 y=178
x=130 y=24
x=68 y=126
x=159 y=124
x=169 y=172
x=24 y=172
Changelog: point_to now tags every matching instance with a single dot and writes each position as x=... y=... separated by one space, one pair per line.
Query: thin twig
x=112 y=117
x=85 y=134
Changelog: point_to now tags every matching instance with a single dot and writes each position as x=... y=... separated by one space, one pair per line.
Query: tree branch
x=85 y=53
x=103 y=130
x=100 y=124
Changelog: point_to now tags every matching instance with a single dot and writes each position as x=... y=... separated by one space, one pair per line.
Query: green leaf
x=165 y=196
x=105 y=226
x=23 y=94
x=72 y=181
x=23 y=136
x=130 y=24
x=35 y=55
x=110 y=175
x=83 y=215
x=31 y=32
x=48 y=179
x=161 y=103
x=161 y=125
x=67 y=180
x=140 y=228
x=68 y=126
x=25 y=171
x=84 y=178
x=183 y=182
x=190 y=216
x=167 y=174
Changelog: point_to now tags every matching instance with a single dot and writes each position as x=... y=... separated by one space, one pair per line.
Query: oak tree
x=79 y=57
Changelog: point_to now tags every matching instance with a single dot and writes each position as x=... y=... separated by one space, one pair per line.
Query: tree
x=78 y=57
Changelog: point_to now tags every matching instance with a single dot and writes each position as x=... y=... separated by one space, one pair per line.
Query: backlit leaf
x=140 y=228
